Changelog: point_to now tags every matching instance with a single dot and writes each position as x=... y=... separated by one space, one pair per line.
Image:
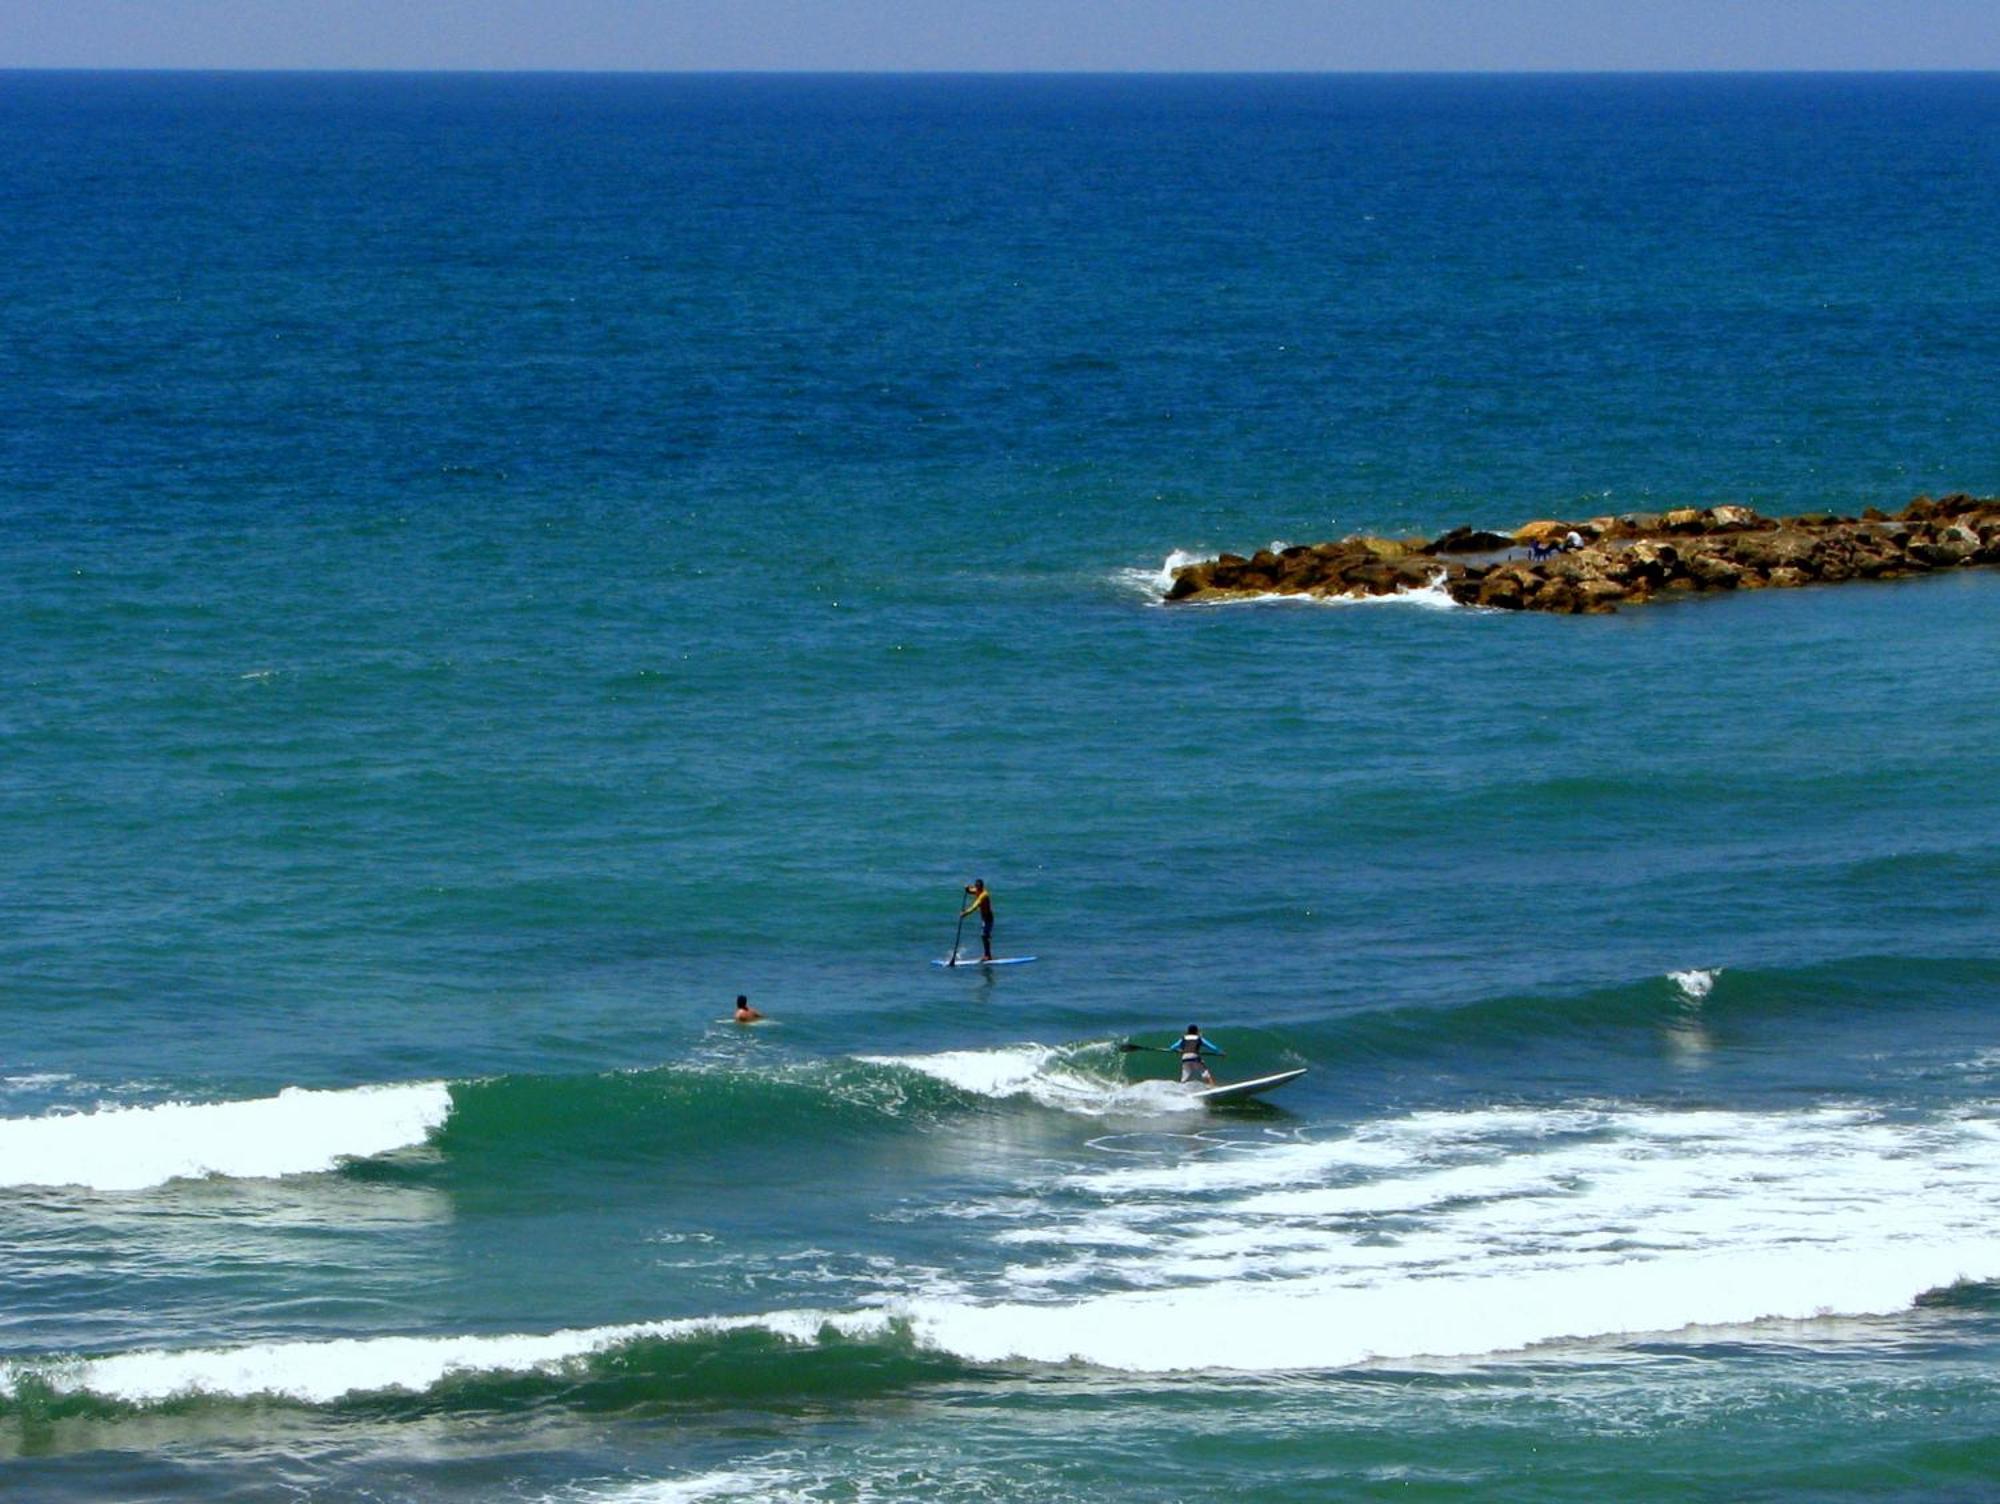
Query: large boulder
x=1946 y=547
x=1711 y=571
x=1508 y=587
x=1734 y=519
x=1469 y=540
x=1600 y=596
x=1559 y=596
x=1780 y=548
x=1542 y=530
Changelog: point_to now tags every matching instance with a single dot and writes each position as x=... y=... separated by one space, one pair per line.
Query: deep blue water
x=494 y=567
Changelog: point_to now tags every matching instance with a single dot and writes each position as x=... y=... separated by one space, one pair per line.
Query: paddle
x=955 y=936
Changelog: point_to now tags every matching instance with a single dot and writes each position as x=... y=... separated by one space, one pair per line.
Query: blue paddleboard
x=975 y=961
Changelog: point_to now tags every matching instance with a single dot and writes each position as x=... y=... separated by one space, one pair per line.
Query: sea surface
x=491 y=568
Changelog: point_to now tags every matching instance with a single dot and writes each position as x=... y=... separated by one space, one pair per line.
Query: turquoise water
x=495 y=567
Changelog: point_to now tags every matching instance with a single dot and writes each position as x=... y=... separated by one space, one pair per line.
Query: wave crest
x=297 y=1132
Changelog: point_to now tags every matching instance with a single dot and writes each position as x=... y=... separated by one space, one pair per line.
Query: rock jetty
x=1617 y=561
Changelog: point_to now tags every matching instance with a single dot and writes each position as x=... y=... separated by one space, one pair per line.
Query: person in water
x=979 y=897
x=745 y=1014
x=1192 y=1047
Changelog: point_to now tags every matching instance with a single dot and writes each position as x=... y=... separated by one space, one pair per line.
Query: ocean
x=493 y=567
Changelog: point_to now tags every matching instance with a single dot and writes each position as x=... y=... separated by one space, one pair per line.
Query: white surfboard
x=1234 y=1091
x=975 y=961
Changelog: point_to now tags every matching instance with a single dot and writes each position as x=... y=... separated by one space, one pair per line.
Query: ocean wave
x=1667 y=1005
x=1067 y=1079
x=606 y=1118
x=1448 y=1235
x=705 y=1359
x=1307 y=1324
x=1436 y=1235
x=296 y=1132
x=1694 y=985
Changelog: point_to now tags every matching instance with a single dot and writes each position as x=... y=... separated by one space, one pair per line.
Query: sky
x=1004 y=35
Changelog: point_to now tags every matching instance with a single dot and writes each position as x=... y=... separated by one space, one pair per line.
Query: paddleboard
x=1232 y=1091
x=975 y=961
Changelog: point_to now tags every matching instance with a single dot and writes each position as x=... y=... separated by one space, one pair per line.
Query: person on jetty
x=1192 y=1046
x=1548 y=548
x=745 y=1014
x=980 y=898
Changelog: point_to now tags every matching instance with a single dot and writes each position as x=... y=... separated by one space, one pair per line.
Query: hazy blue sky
x=1115 y=35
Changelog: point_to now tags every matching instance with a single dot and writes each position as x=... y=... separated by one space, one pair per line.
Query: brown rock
x=1948 y=546
x=1734 y=519
x=1630 y=558
x=1600 y=596
x=1653 y=556
x=1711 y=571
x=1508 y=587
x=1542 y=530
x=1469 y=540
x=1559 y=596
x=1782 y=547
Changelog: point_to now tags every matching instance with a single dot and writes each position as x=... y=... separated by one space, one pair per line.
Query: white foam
x=1452 y=1235
x=1155 y=583
x=761 y=1483
x=1695 y=985
x=1041 y=1074
x=37 y=1081
x=297 y=1132
x=1326 y=1322
x=1427 y=1236
x=321 y=1372
x=1431 y=596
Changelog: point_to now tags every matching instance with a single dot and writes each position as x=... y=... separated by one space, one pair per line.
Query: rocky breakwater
x=1617 y=561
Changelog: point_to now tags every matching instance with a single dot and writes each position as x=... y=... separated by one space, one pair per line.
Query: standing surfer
x=980 y=899
x=1193 y=1067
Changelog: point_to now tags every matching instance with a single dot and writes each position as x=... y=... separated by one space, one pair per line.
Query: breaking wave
x=296 y=1132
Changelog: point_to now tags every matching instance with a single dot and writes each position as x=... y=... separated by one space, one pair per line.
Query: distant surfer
x=1192 y=1047
x=745 y=1014
x=979 y=900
